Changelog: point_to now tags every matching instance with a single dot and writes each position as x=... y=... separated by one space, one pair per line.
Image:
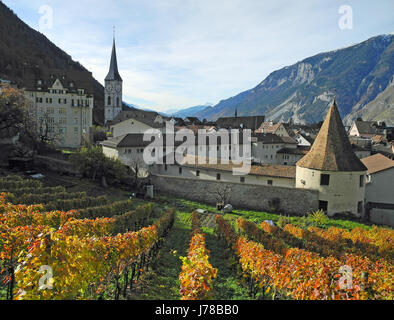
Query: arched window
x=117 y=101
x=109 y=101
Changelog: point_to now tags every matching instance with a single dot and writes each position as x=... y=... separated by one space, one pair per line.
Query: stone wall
x=52 y=164
x=382 y=216
x=292 y=201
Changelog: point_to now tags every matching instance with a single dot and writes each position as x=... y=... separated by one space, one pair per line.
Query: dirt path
x=162 y=281
x=227 y=285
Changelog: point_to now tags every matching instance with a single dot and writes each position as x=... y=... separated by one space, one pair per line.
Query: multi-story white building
x=62 y=107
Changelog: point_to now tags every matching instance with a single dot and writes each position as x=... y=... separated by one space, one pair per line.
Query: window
x=197 y=173
x=109 y=101
x=180 y=170
x=242 y=179
x=324 y=179
x=117 y=101
x=362 y=181
x=75 y=129
x=360 y=207
x=323 y=205
x=218 y=176
x=269 y=182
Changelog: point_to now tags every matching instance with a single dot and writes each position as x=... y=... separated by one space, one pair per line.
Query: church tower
x=332 y=168
x=113 y=89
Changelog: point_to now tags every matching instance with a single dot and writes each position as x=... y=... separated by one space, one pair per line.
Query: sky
x=174 y=54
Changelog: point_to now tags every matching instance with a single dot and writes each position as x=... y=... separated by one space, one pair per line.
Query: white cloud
x=179 y=53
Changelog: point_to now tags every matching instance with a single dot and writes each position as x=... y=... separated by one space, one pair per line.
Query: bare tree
x=47 y=129
x=222 y=193
x=138 y=167
x=18 y=117
x=13 y=109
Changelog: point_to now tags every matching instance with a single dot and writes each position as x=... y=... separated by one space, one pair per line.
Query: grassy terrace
x=259 y=216
x=162 y=280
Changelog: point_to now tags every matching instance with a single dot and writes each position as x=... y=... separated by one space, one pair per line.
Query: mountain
x=192 y=111
x=25 y=52
x=356 y=75
x=381 y=108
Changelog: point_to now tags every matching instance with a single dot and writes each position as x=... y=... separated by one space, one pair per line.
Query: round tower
x=332 y=168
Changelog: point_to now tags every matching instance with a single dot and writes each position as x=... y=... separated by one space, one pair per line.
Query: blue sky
x=180 y=53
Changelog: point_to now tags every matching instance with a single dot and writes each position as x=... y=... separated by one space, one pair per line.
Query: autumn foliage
x=197 y=273
x=86 y=256
x=301 y=274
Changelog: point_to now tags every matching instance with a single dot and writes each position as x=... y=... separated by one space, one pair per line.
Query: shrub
x=283 y=220
x=70 y=204
x=318 y=218
x=47 y=197
x=108 y=210
x=92 y=163
x=274 y=204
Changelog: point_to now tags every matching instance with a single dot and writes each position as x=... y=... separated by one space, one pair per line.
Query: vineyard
x=57 y=244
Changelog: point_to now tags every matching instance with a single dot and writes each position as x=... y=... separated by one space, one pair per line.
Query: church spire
x=113 y=73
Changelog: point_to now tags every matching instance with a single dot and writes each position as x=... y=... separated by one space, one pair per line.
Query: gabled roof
x=146 y=117
x=365 y=127
x=193 y=120
x=132 y=140
x=269 y=127
x=269 y=170
x=377 y=163
x=306 y=137
x=113 y=73
x=289 y=140
x=247 y=122
x=296 y=151
x=268 y=138
x=71 y=80
x=331 y=150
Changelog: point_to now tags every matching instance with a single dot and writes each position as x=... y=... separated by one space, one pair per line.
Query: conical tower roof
x=113 y=73
x=331 y=150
